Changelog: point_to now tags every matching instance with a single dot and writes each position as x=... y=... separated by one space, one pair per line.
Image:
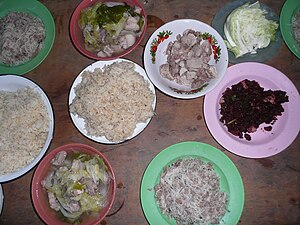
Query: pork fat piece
x=188 y=60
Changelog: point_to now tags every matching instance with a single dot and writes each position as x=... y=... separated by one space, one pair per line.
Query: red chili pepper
x=209 y=39
x=154 y=48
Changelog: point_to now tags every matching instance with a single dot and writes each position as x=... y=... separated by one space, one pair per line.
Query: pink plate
x=40 y=197
x=78 y=39
x=263 y=143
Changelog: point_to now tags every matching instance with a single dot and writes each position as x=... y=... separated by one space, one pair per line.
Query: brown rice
x=23 y=129
x=113 y=101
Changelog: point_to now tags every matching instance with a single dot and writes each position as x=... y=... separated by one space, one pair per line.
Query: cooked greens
x=247 y=29
x=77 y=184
x=109 y=28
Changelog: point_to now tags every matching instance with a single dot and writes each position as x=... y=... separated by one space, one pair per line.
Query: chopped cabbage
x=114 y=29
x=103 y=23
x=76 y=185
x=89 y=15
x=247 y=29
x=91 y=203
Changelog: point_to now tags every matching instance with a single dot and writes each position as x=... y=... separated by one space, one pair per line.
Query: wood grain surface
x=272 y=185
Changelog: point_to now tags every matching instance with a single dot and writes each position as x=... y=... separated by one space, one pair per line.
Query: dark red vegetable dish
x=246 y=105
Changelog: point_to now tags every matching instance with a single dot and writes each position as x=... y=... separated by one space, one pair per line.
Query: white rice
x=113 y=101
x=24 y=128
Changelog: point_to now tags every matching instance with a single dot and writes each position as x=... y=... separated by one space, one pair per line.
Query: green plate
x=230 y=180
x=288 y=11
x=37 y=9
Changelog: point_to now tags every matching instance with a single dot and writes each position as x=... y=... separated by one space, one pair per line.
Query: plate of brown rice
x=27 y=118
x=112 y=101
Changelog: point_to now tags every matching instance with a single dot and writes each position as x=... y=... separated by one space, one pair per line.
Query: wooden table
x=272 y=193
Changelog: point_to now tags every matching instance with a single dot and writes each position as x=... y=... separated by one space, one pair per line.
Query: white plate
x=13 y=83
x=80 y=123
x=178 y=27
x=1 y=199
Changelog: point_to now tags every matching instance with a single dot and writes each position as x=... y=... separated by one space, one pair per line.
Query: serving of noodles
x=22 y=37
x=296 y=27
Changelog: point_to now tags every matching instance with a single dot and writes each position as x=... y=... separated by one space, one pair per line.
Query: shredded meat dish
x=189 y=192
x=246 y=105
x=188 y=60
x=296 y=26
x=21 y=38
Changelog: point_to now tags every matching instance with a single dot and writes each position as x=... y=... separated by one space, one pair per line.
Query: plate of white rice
x=27 y=125
x=112 y=101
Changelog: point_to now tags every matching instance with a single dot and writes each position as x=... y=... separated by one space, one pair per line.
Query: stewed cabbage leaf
x=110 y=18
x=77 y=184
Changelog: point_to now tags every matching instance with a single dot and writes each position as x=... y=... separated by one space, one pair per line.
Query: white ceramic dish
x=153 y=58
x=80 y=123
x=1 y=199
x=13 y=83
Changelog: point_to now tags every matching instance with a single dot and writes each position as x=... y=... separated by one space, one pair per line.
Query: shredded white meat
x=24 y=128
x=113 y=101
x=296 y=26
x=189 y=192
x=21 y=38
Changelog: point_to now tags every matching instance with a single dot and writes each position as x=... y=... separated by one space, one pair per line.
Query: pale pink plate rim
x=263 y=143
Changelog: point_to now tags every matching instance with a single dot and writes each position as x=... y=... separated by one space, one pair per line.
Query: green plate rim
x=286 y=14
x=207 y=153
x=35 y=8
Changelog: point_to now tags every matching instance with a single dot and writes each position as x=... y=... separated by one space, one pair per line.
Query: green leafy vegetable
x=89 y=15
x=91 y=203
x=247 y=29
x=76 y=185
x=114 y=29
x=111 y=19
x=113 y=14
